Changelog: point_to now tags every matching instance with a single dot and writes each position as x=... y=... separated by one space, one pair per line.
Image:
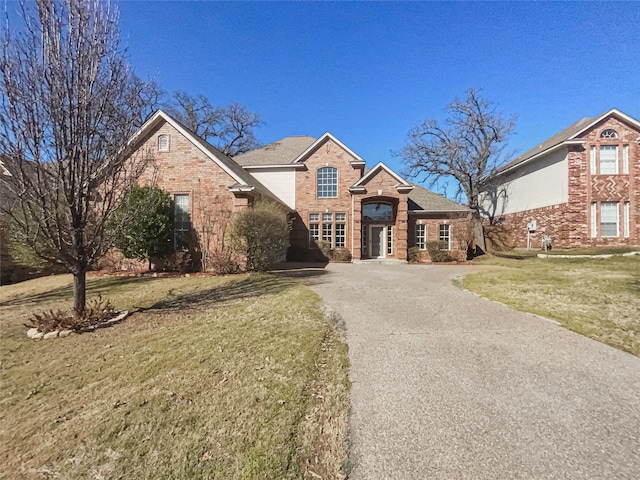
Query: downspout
x=352 y=226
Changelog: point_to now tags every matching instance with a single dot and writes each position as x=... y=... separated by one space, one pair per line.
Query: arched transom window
x=379 y=212
x=609 y=133
x=327 y=182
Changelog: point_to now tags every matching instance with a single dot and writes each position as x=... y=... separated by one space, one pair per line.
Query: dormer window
x=163 y=143
x=609 y=133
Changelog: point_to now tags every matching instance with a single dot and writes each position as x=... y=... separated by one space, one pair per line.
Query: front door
x=377 y=241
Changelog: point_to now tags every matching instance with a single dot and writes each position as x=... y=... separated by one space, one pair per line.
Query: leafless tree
x=69 y=106
x=230 y=128
x=468 y=148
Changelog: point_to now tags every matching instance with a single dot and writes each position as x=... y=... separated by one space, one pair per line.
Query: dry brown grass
x=209 y=378
x=599 y=298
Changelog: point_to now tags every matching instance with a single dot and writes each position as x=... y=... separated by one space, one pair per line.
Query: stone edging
x=35 y=334
x=607 y=255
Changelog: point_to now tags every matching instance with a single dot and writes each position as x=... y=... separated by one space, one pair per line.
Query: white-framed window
x=609 y=219
x=163 y=143
x=445 y=236
x=181 y=222
x=365 y=239
x=608 y=159
x=625 y=219
x=327 y=232
x=592 y=157
x=389 y=240
x=341 y=230
x=594 y=220
x=421 y=236
x=609 y=133
x=314 y=228
x=327 y=182
x=625 y=159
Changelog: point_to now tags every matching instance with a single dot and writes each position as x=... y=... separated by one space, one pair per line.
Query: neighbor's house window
x=609 y=133
x=182 y=222
x=327 y=182
x=314 y=228
x=609 y=219
x=592 y=157
x=608 y=159
x=341 y=230
x=163 y=143
x=421 y=236
x=594 y=220
x=625 y=159
x=445 y=237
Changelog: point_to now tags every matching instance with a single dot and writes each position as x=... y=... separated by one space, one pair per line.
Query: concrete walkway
x=447 y=385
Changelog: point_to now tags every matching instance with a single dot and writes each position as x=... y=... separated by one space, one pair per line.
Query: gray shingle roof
x=281 y=152
x=551 y=142
x=422 y=199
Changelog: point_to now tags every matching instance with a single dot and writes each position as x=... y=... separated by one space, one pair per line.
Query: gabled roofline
x=571 y=140
x=402 y=183
x=326 y=136
x=613 y=111
x=161 y=115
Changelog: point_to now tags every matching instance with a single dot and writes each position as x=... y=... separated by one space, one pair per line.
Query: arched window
x=327 y=182
x=163 y=143
x=609 y=133
x=379 y=212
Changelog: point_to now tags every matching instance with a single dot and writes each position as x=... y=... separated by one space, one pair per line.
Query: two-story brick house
x=326 y=187
x=580 y=187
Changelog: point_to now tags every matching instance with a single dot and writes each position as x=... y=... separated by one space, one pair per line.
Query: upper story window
x=163 y=143
x=327 y=182
x=609 y=133
x=608 y=159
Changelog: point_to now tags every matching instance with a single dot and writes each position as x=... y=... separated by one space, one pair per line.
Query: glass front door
x=378 y=244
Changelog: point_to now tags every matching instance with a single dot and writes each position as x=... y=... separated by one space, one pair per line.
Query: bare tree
x=468 y=149
x=69 y=106
x=230 y=128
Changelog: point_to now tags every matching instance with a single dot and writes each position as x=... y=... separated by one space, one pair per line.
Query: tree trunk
x=80 y=291
x=478 y=235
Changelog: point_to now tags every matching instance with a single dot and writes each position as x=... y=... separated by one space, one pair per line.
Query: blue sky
x=370 y=71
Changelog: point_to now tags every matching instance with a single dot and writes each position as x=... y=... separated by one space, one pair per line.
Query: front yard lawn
x=236 y=377
x=599 y=298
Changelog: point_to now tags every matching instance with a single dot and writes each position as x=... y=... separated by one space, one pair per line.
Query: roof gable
x=568 y=136
x=235 y=171
x=319 y=142
x=375 y=171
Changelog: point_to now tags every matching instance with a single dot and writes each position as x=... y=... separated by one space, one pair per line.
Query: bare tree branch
x=69 y=105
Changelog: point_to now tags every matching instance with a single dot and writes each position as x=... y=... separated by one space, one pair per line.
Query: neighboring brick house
x=580 y=187
x=325 y=186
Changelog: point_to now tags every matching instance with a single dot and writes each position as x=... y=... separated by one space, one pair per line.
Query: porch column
x=357 y=228
x=402 y=228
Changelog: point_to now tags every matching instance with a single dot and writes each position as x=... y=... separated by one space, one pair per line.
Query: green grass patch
x=599 y=298
x=208 y=378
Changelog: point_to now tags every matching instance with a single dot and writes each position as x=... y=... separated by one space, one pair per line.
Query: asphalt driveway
x=447 y=385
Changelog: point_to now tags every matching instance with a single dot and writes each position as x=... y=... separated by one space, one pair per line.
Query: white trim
x=403 y=184
x=326 y=136
x=625 y=219
x=625 y=159
x=594 y=220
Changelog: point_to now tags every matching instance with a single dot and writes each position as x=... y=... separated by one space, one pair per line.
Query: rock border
x=606 y=255
x=35 y=334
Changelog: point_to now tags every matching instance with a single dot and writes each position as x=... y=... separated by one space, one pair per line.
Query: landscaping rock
x=49 y=335
x=65 y=333
x=34 y=333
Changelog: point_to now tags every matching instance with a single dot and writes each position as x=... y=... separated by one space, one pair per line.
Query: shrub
x=260 y=234
x=437 y=254
x=340 y=254
x=325 y=248
x=145 y=224
x=414 y=255
x=96 y=312
x=223 y=262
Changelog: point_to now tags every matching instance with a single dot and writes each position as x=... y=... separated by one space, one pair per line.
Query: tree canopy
x=468 y=148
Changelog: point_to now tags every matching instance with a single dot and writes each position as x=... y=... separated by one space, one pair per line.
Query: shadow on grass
x=308 y=273
x=96 y=287
x=249 y=287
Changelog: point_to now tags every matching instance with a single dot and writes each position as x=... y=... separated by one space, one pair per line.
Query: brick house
x=326 y=187
x=580 y=187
